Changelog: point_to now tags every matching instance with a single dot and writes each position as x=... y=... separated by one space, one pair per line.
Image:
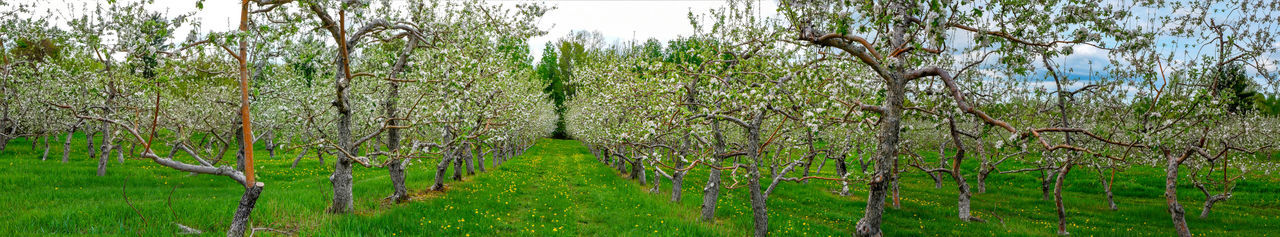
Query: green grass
x=557 y=188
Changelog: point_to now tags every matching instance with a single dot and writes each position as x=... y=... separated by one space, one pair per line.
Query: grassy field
x=557 y=188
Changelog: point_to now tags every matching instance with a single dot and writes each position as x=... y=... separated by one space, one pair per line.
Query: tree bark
x=472 y=152
x=964 y=198
x=639 y=166
x=399 y=192
x=677 y=177
x=240 y=222
x=759 y=205
x=1106 y=186
x=458 y=158
x=395 y=168
x=301 y=152
x=1208 y=204
x=480 y=157
x=93 y=150
x=341 y=179
x=1046 y=180
x=1057 y=199
x=711 y=192
x=46 y=148
x=982 y=180
x=106 y=151
x=1171 y=197
x=886 y=154
x=897 y=199
x=759 y=202
x=66 y=147
x=842 y=169
x=442 y=167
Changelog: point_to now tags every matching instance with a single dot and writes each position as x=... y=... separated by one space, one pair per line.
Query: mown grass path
x=557 y=188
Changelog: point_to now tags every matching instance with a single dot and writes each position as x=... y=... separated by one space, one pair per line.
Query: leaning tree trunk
x=1208 y=203
x=46 y=148
x=1057 y=199
x=1106 y=187
x=240 y=222
x=301 y=153
x=445 y=155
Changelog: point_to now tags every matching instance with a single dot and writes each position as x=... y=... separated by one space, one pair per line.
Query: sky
x=616 y=21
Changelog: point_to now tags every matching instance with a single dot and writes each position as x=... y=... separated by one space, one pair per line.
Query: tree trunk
x=271 y=144
x=480 y=158
x=842 y=169
x=639 y=166
x=897 y=199
x=472 y=152
x=120 y=153
x=1057 y=199
x=1171 y=197
x=66 y=147
x=399 y=192
x=301 y=153
x=982 y=180
x=341 y=179
x=319 y=156
x=46 y=148
x=657 y=181
x=240 y=222
x=937 y=179
x=441 y=168
x=106 y=151
x=1046 y=181
x=458 y=158
x=710 y=194
x=1106 y=186
x=677 y=181
x=886 y=154
x=239 y=149
x=93 y=150
x=1208 y=204
x=964 y=197
x=759 y=207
